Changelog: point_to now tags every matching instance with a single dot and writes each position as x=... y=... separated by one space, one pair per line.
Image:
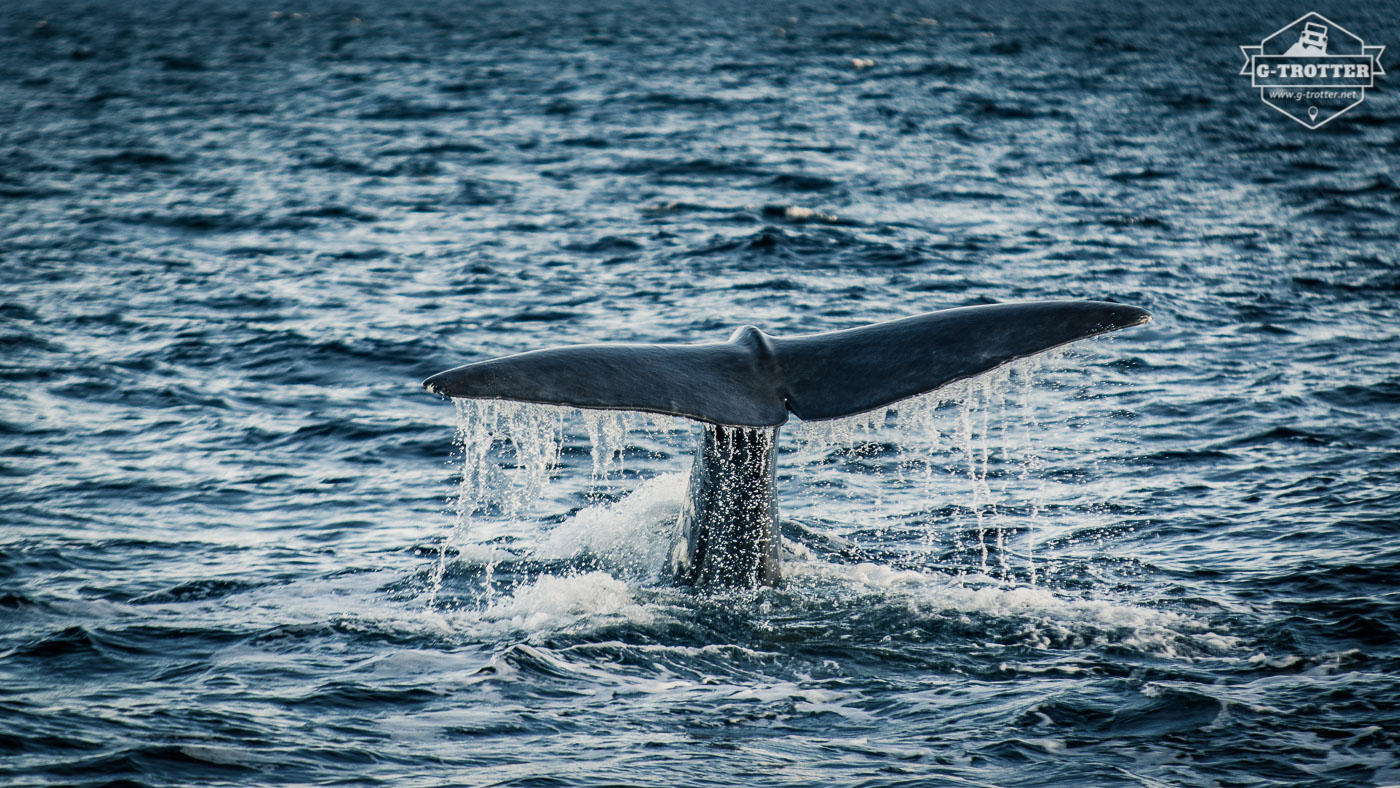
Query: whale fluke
x=755 y=380
x=745 y=388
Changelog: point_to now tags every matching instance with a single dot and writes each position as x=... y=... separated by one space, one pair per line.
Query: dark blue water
x=235 y=236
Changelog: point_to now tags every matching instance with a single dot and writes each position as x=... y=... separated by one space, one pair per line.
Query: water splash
x=976 y=442
x=630 y=538
x=510 y=453
x=553 y=602
x=534 y=435
x=972 y=443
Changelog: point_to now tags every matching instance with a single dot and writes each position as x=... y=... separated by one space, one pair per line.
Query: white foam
x=633 y=536
x=1049 y=617
x=552 y=602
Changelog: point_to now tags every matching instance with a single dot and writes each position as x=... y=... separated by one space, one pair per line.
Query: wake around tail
x=746 y=387
x=756 y=380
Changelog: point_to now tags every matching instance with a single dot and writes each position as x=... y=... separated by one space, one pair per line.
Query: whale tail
x=749 y=385
x=756 y=380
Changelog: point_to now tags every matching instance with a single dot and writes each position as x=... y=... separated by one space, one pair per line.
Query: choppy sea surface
x=241 y=545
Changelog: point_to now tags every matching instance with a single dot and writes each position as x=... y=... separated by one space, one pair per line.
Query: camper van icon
x=1312 y=42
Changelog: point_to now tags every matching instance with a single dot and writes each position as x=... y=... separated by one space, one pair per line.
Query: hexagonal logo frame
x=1312 y=69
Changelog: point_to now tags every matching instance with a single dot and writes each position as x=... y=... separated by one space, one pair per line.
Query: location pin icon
x=1312 y=114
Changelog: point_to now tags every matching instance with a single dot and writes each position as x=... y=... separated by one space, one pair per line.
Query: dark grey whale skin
x=729 y=522
x=745 y=388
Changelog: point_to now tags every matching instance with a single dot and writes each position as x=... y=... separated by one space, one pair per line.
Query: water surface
x=235 y=236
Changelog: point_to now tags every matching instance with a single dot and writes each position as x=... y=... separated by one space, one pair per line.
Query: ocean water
x=241 y=545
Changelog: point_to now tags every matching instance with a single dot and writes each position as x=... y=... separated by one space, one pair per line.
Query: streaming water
x=978 y=434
